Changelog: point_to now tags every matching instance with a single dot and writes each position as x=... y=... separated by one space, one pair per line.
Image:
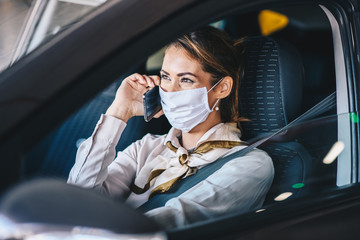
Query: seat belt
x=159 y=200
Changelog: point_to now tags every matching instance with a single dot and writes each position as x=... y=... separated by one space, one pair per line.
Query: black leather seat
x=271 y=92
x=270 y=96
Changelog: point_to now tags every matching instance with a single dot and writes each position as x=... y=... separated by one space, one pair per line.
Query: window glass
x=12 y=17
x=46 y=19
x=57 y=15
x=305 y=158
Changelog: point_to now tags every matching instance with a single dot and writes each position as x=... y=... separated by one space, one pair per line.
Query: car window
x=13 y=15
x=305 y=156
x=45 y=19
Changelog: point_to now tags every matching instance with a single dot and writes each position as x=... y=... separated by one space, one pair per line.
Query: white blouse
x=238 y=186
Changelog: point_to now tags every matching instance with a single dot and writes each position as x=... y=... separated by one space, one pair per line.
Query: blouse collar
x=221 y=131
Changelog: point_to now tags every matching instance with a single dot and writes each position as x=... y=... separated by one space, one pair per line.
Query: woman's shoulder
x=147 y=144
x=256 y=159
x=154 y=137
x=151 y=139
x=251 y=170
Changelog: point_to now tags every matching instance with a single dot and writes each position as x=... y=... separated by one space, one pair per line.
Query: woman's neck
x=190 y=139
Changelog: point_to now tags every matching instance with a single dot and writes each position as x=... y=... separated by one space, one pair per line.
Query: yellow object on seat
x=271 y=22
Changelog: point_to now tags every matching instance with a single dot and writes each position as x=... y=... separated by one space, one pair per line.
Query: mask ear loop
x=215 y=85
x=217 y=101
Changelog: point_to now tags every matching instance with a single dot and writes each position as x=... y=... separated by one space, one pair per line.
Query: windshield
x=42 y=19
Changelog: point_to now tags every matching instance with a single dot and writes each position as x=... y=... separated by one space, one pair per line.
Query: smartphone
x=152 y=103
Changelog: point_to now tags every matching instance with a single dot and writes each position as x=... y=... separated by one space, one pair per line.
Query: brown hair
x=220 y=56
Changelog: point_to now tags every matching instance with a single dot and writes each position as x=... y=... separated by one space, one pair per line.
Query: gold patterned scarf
x=165 y=172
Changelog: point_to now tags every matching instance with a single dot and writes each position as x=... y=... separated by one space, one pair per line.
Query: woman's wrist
x=119 y=112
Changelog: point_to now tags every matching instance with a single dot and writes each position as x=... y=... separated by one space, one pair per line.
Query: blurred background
x=12 y=17
x=26 y=24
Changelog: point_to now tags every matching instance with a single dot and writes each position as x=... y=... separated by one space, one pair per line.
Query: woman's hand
x=128 y=100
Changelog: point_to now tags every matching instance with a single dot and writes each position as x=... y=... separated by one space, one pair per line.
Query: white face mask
x=186 y=109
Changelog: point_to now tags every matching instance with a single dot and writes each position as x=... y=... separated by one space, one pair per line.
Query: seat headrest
x=270 y=94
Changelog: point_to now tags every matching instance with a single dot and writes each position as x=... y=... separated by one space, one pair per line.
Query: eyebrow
x=179 y=74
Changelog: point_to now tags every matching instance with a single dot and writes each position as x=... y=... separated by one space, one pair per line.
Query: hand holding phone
x=152 y=103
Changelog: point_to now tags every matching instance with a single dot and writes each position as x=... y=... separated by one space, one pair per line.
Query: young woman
x=199 y=83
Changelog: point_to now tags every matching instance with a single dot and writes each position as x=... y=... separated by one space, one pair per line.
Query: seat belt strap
x=159 y=200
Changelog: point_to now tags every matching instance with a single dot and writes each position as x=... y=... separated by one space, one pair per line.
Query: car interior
x=287 y=72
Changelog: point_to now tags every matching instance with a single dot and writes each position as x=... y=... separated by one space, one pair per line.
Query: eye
x=164 y=77
x=186 y=80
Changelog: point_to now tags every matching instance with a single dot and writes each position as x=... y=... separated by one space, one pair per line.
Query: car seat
x=270 y=96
